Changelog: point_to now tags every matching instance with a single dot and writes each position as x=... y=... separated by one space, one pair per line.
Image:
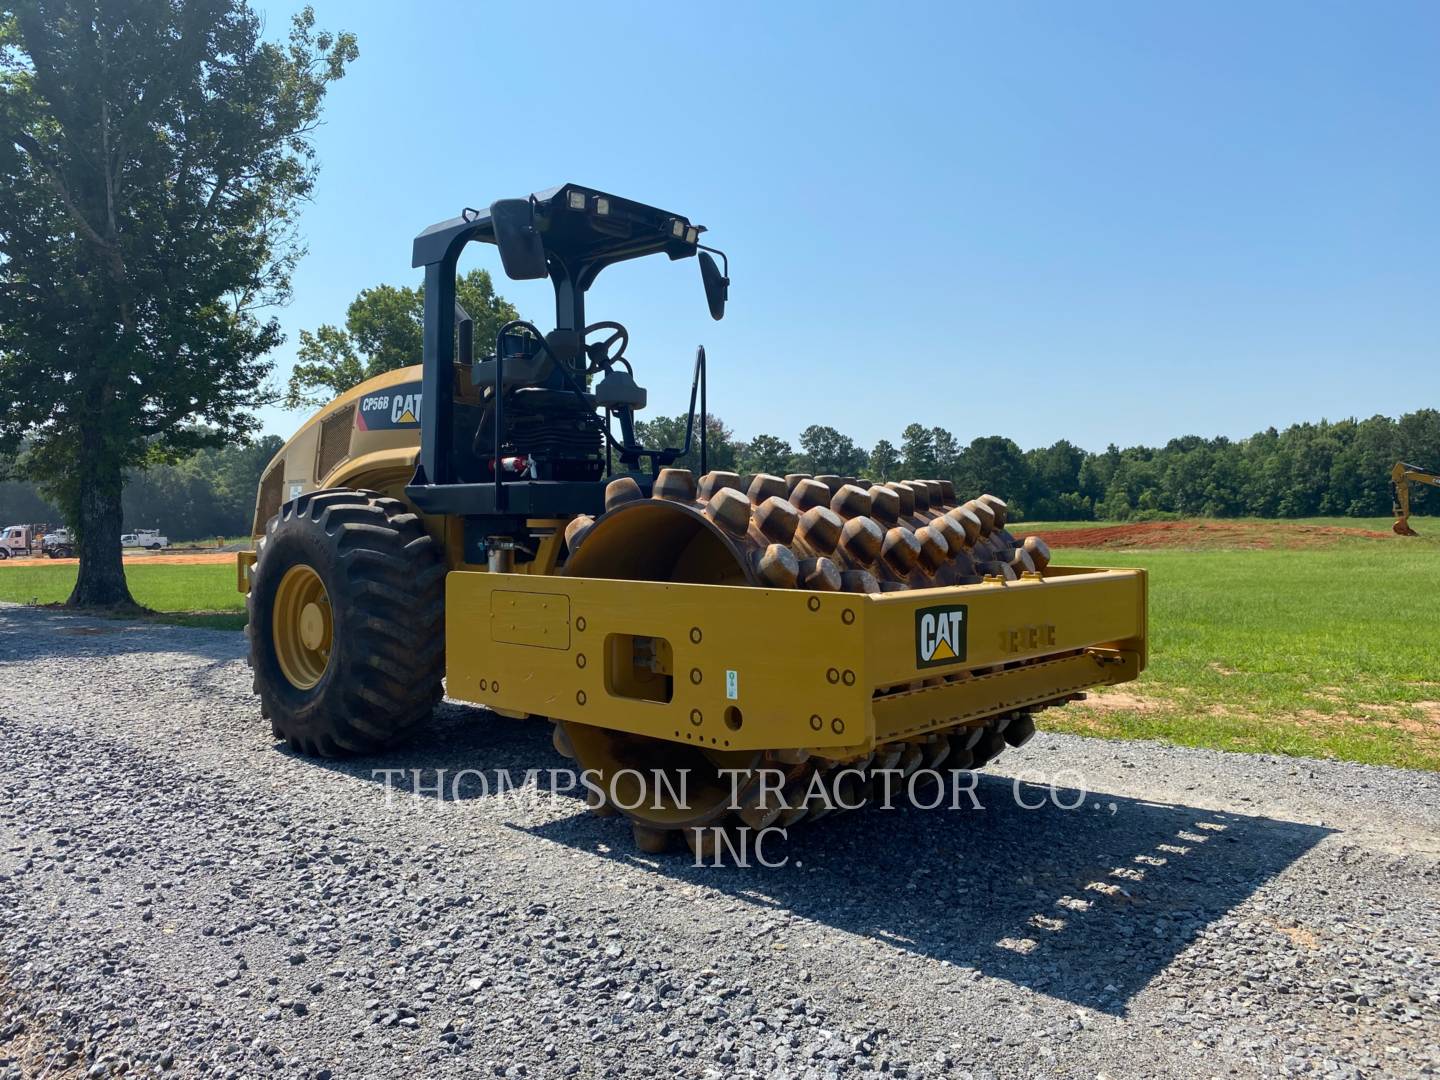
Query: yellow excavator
x=1401 y=477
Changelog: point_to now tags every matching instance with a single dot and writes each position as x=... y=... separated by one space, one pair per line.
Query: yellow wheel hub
x=302 y=627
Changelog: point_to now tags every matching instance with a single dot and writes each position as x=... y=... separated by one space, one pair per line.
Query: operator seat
x=618 y=390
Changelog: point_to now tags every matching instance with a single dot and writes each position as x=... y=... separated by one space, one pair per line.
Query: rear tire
x=370 y=669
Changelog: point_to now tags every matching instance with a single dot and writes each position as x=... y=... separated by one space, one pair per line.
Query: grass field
x=1375 y=524
x=186 y=595
x=1325 y=651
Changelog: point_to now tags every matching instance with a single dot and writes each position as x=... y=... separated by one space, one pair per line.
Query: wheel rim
x=303 y=627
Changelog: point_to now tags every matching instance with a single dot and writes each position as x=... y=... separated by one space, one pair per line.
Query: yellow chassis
x=749 y=669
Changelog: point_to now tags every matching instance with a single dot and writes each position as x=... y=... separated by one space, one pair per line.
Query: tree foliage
x=206 y=494
x=384 y=328
x=1339 y=469
x=765 y=454
x=211 y=493
x=884 y=463
x=1327 y=468
x=826 y=451
x=917 y=450
x=152 y=157
x=668 y=432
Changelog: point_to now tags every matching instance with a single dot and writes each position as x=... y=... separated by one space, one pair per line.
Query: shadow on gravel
x=1087 y=905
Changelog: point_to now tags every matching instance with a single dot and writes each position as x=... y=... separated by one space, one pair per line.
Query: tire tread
x=391 y=577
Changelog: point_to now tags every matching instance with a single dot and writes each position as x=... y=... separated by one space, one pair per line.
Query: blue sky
x=1100 y=221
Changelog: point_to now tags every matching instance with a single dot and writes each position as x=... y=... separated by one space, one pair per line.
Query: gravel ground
x=180 y=895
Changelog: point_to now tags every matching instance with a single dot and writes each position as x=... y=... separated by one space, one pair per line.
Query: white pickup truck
x=149 y=539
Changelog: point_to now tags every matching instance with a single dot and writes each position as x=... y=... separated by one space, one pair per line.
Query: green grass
x=1322 y=653
x=1376 y=524
x=201 y=596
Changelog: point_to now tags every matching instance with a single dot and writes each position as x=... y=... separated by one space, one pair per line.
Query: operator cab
x=526 y=424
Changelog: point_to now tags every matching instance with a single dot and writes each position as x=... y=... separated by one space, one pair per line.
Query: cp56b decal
x=940 y=635
x=398 y=407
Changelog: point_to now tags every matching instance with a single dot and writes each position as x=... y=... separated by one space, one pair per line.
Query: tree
x=884 y=461
x=383 y=330
x=20 y=503
x=668 y=433
x=210 y=493
x=946 y=454
x=765 y=454
x=153 y=154
x=827 y=452
x=917 y=451
x=207 y=494
x=996 y=465
x=1055 y=492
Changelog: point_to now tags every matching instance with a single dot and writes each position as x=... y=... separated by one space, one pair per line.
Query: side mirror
x=717 y=285
x=521 y=251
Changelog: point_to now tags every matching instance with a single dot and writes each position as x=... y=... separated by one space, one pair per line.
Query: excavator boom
x=1401 y=477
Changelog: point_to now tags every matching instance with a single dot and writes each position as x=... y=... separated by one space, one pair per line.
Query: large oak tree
x=153 y=154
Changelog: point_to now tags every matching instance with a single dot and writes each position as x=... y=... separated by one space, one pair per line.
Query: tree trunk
x=101 y=581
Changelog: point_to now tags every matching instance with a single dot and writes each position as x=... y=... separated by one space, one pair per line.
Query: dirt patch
x=1388 y=720
x=159 y=558
x=1120 y=700
x=1253 y=535
x=1300 y=936
x=1426 y=725
x=1397 y=715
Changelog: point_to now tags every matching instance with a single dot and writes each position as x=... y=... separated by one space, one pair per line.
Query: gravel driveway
x=178 y=894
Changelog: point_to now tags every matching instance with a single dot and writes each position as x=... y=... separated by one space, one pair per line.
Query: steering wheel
x=602 y=355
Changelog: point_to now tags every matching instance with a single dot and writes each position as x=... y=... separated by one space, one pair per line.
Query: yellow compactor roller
x=494 y=521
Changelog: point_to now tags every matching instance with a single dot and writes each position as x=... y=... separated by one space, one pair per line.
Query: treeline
x=209 y=494
x=1337 y=468
x=1340 y=468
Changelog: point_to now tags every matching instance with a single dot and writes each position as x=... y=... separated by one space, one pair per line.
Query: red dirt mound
x=1206 y=534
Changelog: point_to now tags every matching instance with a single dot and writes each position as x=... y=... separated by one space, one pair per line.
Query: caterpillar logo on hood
x=940 y=635
x=398 y=407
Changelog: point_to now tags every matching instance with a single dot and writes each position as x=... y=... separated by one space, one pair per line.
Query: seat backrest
x=618 y=389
